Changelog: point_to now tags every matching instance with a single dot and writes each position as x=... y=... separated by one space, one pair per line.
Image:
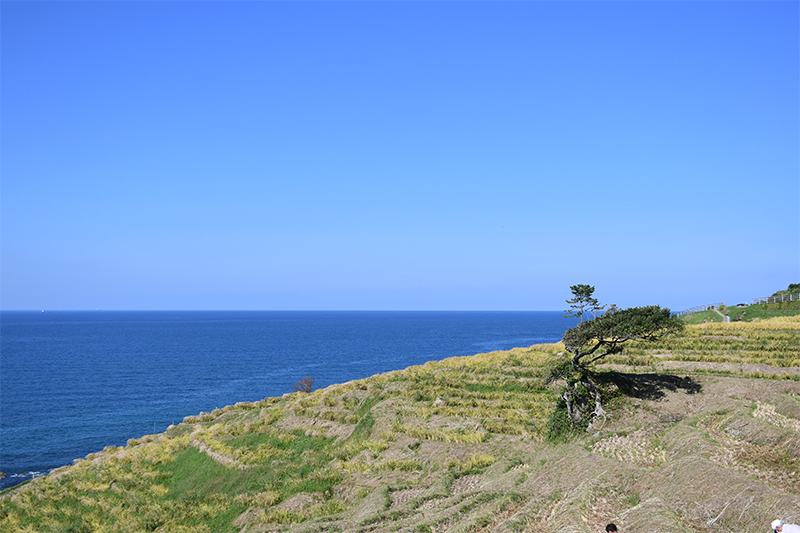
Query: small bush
x=304 y=385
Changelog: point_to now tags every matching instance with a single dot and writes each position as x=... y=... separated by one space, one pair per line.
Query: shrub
x=304 y=385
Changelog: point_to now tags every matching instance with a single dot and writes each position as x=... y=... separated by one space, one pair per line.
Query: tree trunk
x=578 y=408
x=573 y=411
x=598 y=399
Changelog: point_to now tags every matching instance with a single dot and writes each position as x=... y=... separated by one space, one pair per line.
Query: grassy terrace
x=213 y=467
x=386 y=451
x=774 y=342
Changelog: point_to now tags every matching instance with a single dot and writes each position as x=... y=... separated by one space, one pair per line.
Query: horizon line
x=39 y=310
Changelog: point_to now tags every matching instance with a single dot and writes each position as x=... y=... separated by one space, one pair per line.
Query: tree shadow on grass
x=649 y=386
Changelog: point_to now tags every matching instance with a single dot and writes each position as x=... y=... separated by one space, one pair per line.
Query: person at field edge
x=612 y=528
x=782 y=527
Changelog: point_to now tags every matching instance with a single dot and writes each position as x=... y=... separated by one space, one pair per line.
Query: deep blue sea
x=73 y=382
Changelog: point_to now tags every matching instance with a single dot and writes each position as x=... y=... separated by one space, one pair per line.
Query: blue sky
x=382 y=155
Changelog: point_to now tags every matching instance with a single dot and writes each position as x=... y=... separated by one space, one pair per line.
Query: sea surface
x=73 y=382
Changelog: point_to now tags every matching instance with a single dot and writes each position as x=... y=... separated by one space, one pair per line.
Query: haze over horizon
x=397 y=156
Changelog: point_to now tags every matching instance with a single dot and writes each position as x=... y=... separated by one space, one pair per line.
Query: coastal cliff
x=702 y=434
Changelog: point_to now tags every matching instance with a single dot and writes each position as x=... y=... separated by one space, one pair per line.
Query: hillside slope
x=703 y=434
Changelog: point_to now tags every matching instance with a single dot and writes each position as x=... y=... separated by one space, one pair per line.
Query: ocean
x=73 y=382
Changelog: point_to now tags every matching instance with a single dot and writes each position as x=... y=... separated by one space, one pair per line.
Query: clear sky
x=397 y=155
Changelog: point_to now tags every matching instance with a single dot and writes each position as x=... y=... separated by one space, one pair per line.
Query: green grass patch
x=195 y=472
x=302 y=469
x=365 y=423
x=702 y=317
x=762 y=311
x=746 y=313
